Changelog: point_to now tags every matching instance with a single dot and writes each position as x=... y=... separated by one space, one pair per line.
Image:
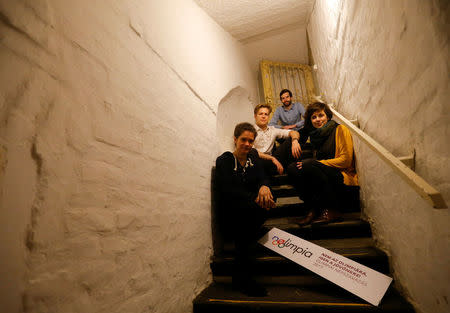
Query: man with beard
x=289 y=114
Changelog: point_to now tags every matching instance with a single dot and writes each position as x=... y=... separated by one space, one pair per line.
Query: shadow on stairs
x=292 y=288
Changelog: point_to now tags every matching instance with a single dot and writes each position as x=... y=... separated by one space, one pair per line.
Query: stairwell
x=292 y=288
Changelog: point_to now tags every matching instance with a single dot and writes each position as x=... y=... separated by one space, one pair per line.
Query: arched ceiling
x=245 y=19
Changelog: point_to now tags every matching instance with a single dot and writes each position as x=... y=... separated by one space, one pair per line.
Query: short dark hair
x=284 y=91
x=314 y=107
x=262 y=105
x=242 y=127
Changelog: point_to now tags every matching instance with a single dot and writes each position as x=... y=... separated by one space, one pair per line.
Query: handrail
x=424 y=189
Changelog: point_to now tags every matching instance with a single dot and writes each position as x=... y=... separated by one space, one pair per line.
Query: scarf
x=319 y=135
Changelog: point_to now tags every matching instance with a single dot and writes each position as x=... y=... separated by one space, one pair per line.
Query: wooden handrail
x=424 y=189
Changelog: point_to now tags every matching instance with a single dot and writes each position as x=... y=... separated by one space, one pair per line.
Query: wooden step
x=277 y=180
x=221 y=298
x=349 y=195
x=280 y=191
x=268 y=263
x=291 y=287
x=351 y=225
x=288 y=206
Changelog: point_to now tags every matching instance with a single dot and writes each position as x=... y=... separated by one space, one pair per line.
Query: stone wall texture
x=386 y=63
x=107 y=138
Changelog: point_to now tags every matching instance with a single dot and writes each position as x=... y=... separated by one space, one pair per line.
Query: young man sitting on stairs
x=288 y=152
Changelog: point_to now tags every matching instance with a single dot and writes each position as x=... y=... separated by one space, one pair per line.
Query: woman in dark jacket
x=244 y=197
x=317 y=180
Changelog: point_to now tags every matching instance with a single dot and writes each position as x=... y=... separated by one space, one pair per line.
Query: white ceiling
x=245 y=19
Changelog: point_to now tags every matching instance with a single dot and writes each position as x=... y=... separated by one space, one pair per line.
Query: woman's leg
x=328 y=179
x=316 y=185
x=304 y=180
x=301 y=180
x=332 y=179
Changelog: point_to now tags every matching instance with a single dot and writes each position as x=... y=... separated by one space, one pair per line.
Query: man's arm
x=274 y=161
x=296 y=149
x=344 y=149
x=289 y=126
x=301 y=112
x=299 y=124
x=275 y=118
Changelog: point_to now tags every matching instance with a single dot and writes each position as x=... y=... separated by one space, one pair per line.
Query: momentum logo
x=281 y=243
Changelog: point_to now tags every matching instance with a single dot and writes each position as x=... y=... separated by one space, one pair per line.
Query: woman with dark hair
x=244 y=197
x=318 y=179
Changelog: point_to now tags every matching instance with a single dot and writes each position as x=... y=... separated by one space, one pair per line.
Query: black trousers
x=244 y=219
x=316 y=184
x=283 y=154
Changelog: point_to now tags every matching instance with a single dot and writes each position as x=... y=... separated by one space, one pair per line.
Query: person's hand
x=289 y=126
x=265 y=198
x=299 y=165
x=280 y=168
x=296 y=149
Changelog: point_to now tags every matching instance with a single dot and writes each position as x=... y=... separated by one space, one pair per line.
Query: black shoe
x=327 y=216
x=304 y=220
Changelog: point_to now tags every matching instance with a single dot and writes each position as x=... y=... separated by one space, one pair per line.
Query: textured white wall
x=234 y=108
x=286 y=45
x=107 y=138
x=387 y=64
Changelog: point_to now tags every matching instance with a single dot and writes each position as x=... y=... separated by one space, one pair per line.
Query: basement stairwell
x=292 y=288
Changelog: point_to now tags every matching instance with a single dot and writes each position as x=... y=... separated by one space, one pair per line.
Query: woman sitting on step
x=319 y=179
x=244 y=197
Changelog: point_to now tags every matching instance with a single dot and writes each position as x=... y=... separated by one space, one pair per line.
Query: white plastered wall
x=387 y=64
x=108 y=134
x=231 y=112
x=284 y=45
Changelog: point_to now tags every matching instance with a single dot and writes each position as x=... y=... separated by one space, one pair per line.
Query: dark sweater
x=238 y=183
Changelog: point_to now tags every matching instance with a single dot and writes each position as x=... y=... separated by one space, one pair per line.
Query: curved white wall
x=234 y=108
x=107 y=138
x=387 y=64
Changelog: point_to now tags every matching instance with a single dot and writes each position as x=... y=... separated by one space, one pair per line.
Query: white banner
x=360 y=280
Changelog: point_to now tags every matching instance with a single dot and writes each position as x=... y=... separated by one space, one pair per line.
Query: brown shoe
x=304 y=220
x=327 y=216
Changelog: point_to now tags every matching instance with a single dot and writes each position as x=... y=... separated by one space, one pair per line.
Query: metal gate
x=295 y=77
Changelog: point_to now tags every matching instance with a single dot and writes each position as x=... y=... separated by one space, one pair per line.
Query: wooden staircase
x=292 y=288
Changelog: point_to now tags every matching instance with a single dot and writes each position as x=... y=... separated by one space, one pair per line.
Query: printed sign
x=360 y=280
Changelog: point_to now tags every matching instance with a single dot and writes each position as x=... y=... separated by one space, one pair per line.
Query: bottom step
x=220 y=298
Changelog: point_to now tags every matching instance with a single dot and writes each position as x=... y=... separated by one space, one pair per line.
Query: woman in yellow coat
x=317 y=180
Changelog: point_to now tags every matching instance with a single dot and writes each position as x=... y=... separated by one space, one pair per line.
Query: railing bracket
x=409 y=160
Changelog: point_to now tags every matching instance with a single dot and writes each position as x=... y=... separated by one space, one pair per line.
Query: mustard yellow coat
x=344 y=156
